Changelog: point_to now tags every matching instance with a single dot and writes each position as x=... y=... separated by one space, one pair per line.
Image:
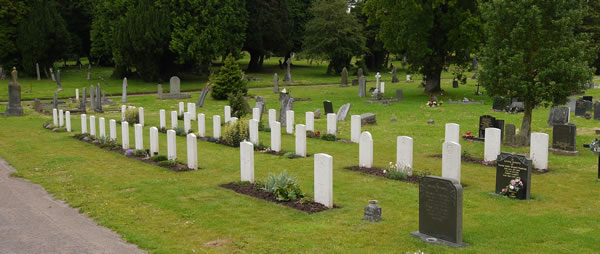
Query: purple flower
x=129 y=152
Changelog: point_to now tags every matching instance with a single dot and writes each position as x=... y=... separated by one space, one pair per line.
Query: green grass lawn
x=166 y=212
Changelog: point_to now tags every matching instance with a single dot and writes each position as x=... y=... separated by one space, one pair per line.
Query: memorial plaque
x=510 y=166
x=440 y=211
x=486 y=121
x=328 y=107
x=563 y=137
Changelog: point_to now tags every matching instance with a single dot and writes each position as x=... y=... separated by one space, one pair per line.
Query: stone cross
x=377 y=77
x=124 y=92
x=288 y=74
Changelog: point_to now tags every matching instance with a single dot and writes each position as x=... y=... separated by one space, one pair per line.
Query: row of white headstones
x=451 y=155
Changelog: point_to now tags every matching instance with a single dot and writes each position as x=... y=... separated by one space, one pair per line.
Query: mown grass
x=167 y=212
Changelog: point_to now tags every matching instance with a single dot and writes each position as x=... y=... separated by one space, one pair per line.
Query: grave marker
x=310 y=121
x=328 y=106
x=343 y=112
x=323 y=179
x=355 y=126
x=275 y=136
x=227 y=111
x=162 y=119
x=139 y=137
x=247 y=161
x=112 y=126
x=366 y=150
x=272 y=116
x=102 y=127
x=201 y=125
x=564 y=138
x=216 y=126
x=187 y=124
x=92 y=125
x=289 y=127
x=510 y=166
x=153 y=141
x=68 y=120
x=301 y=140
x=83 y=124
x=171 y=145
x=192 y=151
x=404 y=152
x=174 y=120
x=14 y=107
x=492 y=144
x=125 y=135
x=539 y=150
x=253 y=126
x=141 y=116
x=451 y=160
x=452 y=133
x=331 y=124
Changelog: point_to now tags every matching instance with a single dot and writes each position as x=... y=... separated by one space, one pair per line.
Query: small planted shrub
x=239 y=105
x=159 y=158
x=180 y=131
x=139 y=153
x=234 y=133
x=289 y=155
x=132 y=116
x=229 y=80
x=396 y=175
x=328 y=137
x=283 y=186
x=288 y=192
x=168 y=163
x=311 y=134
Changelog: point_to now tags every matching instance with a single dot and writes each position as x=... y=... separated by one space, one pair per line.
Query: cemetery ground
x=167 y=212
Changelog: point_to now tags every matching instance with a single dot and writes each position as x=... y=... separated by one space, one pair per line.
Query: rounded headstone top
x=373 y=202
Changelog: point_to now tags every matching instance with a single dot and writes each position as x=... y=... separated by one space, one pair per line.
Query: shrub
x=289 y=155
x=311 y=134
x=288 y=192
x=229 y=80
x=168 y=163
x=132 y=116
x=139 y=153
x=396 y=175
x=234 y=133
x=274 y=181
x=239 y=105
x=328 y=137
x=159 y=158
x=180 y=131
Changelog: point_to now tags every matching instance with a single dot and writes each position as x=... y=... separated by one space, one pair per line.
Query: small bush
x=168 y=163
x=239 y=105
x=311 y=134
x=288 y=192
x=396 y=175
x=259 y=185
x=234 y=133
x=305 y=200
x=132 y=116
x=228 y=80
x=180 y=131
x=159 y=158
x=275 y=181
x=289 y=155
x=139 y=153
x=328 y=137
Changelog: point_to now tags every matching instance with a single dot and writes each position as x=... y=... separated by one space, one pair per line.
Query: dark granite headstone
x=500 y=125
x=500 y=103
x=563 y=137
x=14 y=107
x=597 y=111
x=558 y=115
x=588 y=98
x=344 y=77
x=580 y=107
x=510 y=166
x=486 y=121
x=440 y=211
x=328 y=106
x=455 y=84
x=399 y=95
x=509 y=135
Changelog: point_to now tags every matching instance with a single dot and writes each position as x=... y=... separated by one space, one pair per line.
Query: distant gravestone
x=499 y=103
x=597 y=111
x=394 y=76
x=440 y=211
x=510 y=166
x=200 y=101
x=564 y=137
x=52 y=74
x=559 y=115
x=399 y=96
x=343 y=112
x=359 y=73
x=174 y=90
x=159 y=91
x=82 y=102
x=287 y=103
x=37 y=70
x=124 y=91
x=14 y=107
x=260 y=103
x=328 y=106
x=92 y=97
x=362 y=87
x=89 y=73
x=275 y=83
x=58 y=84
x=509 y=135
x=317 y=113
x=372 y=212
x=344 y=77
x=580 y=107
x=55 y=101
x=368 y=118
x=288 y=74
x=37 y=105
x=571 y=104
x=486 y=121
x=98 y=103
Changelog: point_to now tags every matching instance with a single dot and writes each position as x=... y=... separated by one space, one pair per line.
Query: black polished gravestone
x=487 y=121
x=563 y=139
x=440 y=211
x=510 y=166
x=581 y=106
x=328 y=107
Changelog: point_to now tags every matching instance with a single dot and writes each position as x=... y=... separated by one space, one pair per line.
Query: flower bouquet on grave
x=595 y=146
x=513 y=188
x=311 y=134
x=468 y=135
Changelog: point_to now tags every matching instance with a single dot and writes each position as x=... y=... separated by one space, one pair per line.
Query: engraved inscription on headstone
x=510 y=166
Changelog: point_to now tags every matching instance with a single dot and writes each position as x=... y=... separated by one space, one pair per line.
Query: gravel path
x=31 y=221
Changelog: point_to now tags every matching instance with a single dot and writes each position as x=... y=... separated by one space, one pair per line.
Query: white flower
x=385 y=171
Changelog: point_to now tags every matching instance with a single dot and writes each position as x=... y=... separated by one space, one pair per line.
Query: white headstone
x=173 y=120
x=407 y=77
x=83 y=124
x=404 y=152
x=171 y=145
x=76 y=94
x=275 y=136
x=227 y=110
x=289 y=118
x=382 y=87
x=492 y=144
x=310 y=121
x=253 y=126
x=191 y=107
x=272 y=116
x=141 y=116
x=216 y=126
x=101 y=127
x=187 y=122
x=365 y=150
x=247 y=161
x=123 y=110
x=256 y=114
x=55 y=117
x=112 y=126
x=301 y=140
x=162 y=119
x=233 y=120
x=125 y=135
x=323 y=174
x=93 y=125
x=331 y=123
x=539 y=150
x=61 y=118
x=68 y=120
x=153 y=141
x=355 y=125
x=192 y=151
x=451 y=160
x=201 y=126
x=181 y=107
x=139 y=137
x=452 y=133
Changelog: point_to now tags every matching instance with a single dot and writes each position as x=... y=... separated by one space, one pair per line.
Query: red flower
x=468 y=133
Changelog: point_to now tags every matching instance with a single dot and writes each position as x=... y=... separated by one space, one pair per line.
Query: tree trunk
x=526 y=123
x=433 y=80
x=330 y=68
x=254 y=65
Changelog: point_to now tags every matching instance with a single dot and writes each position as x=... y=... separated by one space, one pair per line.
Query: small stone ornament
x=372 y=211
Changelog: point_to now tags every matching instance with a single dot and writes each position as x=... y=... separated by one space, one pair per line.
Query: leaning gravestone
x=343 y=112
x=174 y=90
x=394 y=76
x=344 y=77
x=14 y=107
x=328 y=106
x=440 y=211
x=368 y=118
x=362 y=87
x=558 y=115
x=597 y=111
x=564 y=139
x=200 y=101
x=287 y=103
x=510 y=166
x=275 y=83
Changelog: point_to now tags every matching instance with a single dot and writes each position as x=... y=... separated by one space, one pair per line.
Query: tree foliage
x=533 y=53
x=78 y=17
x=11 y=14
x=591 y=25
x=333 y=34
x=229 y=80
x=374 y=58
x=42 y=36
x=433 y=34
